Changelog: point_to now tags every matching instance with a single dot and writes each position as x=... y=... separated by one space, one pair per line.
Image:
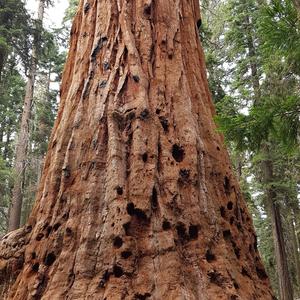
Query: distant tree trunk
x=297 y=6
x=23 y=137
x=285 y=285
x=137 y=198
x=268 y=178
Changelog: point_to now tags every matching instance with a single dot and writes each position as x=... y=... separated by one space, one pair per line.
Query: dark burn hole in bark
x=102 y=84
x=236 y=285
x=230 y=205
x=193 y=232
x=117 y=271
x=28 y=229
x=33 y=255
x=216 y=278
x=101 y=42
x=166 y=225
x=184 y=175
x=35 y=267
x=136 y=78
x=261 y=273
x=66 y=172
x=39 y=236
x=227 y=234
x=106 y=66
x=234 y=297
x=48 y=231
x=142 y=296
x=132 y=211
x=237 y=251
x=68 y=231
x=147 y=10
x=126 y=254
x=126 y=227
x=209 y=256
x=164 y=123
x=178 y=152
x=222 y=211
x=218 y=148
x=87 y=8
x=245 y=272
x=154 y=199
x=199 y=23
x=56 y=226
x=144 y=114
x=118 y=242
x=181 y=231
x=119 y=190
x=145 y=157
x=255 y=243
x=104 y=279
x=50 y=259
x=227 y=185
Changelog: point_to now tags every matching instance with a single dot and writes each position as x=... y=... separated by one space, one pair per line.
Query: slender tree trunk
x=297 y=6
x=23 y=137
x=285 y=285
x=295 y=251
x=268 y=177
x=137 y=198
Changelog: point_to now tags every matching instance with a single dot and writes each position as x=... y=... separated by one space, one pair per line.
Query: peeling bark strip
x=137 y=198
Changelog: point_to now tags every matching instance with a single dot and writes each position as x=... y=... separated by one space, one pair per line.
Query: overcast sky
x=53 y=15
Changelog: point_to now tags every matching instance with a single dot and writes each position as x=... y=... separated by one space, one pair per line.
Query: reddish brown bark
x=137 y=198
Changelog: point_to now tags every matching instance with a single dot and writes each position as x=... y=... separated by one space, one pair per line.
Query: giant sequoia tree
x=137 y=198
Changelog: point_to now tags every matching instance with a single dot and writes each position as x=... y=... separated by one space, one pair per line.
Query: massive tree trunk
x=23 y=137
x=137 y=198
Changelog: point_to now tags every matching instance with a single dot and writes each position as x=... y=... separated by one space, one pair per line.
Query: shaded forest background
x=253 y=59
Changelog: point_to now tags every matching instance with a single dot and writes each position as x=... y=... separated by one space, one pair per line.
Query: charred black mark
x=102 y=84
x=119 y=190
x=145 y=157
x=101 y=42
x=245 y=273
x=178 y=152
x=144 y=114
x=216 y=278
x=231 y=220
x=230 y=205
x=142 y=296
x=126 y=254
x=193 y=232
x=56 y=226
x=234 y=297
x=184 y=175
x=199 y=23
x=218 y=148
x=118 y=242
x=147 y=10
x=68 y=231
x=49 y=229
x=181 y=231
x=106 y=66
x=164 y=123
x=87 y=8
x=104 y=279
x=33 y=255
x=227 y=185
x=126 y=227
x=132 y=211
x=261 y=273
x=236 y=249
x=154 y=199
x=222 y=211
x=255 y=243
x=35 y=267
x=118 y=271
x=136 y=78
x=236 y=285
x=28 y=229
x=166 y=225
x=227 y=235
x=39 y=236
x=209 y=256
x=50 y=259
